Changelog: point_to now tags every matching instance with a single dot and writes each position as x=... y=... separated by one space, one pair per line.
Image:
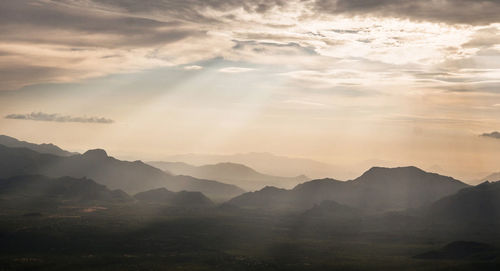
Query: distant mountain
x=477 y=206
x=41 y=148
x=271 y=164
x=230 y=173
x=34 y=190
x=492 y=177
x=377 y=190
x=132 y=177
x=183 y=198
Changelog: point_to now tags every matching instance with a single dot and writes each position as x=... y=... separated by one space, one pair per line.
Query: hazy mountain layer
x=41 y=148
x=267 y=163
x=132 y=177
x=230 y=173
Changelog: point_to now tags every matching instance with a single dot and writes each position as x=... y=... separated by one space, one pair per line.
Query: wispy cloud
x=235 y=70
x=193 y=68
x=40 y=116
x=495 y=135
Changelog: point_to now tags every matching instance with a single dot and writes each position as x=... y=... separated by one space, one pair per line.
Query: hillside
x=36 y=190
x=183 y=198
x=477 y=206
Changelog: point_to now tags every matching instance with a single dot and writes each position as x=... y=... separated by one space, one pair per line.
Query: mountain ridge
x=132 y=177
x=48 y=148
x=377 y=190
x=229 y=172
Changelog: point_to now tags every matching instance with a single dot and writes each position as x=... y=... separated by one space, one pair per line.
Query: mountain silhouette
x=36 y=190
x=474 y=206
x=131 y=177
x=492 y=177
x=377 y=190
x=182 y=198
x=41 y=148
x=268 y=163
x=231 y=173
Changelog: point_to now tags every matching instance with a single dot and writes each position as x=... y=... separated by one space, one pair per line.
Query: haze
x=341 y=82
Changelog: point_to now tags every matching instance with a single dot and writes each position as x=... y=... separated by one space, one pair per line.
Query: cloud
x=40 y=116
x=448 y=11
x=192 y=68
x=53 y=41
x=495 y=135
x=235 y=70
x=474 y=12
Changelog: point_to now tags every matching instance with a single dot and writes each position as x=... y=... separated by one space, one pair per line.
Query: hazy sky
x=342 y=81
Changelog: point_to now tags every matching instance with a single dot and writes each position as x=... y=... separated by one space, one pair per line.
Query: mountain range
x=377 y=190
x=269 y=164
x=231 y=173
x=132 y=177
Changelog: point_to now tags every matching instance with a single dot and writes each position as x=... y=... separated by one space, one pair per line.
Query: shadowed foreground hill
x=183 y=198
x=378 y=189
x=132 y=177
x=461 y=250
x=37 y=190
x=477 y=206
x=230 y=173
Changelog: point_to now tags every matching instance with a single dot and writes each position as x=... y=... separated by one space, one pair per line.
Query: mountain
x=402 y=188
x=37 y=190
x=183 y=198
x=492 y=177
x=270 y=164
x=477 y=206
x=41 y=148
x=132 y=177
x=377 y=190
x=230 y=173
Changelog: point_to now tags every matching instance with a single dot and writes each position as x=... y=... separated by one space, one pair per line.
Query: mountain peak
x=96 y=153
x=407 y=168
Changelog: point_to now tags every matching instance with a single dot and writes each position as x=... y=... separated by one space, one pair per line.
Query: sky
x=341 y=81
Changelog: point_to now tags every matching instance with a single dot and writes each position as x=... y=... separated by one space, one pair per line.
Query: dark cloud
x=495 y=135
x=448 y=11
x=190 y=7
x=484 y=38
x=40 y=116
x=50 y=23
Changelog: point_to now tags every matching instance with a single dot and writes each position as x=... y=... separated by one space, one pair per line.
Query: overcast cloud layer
x=337 y=81
x=452 y=44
